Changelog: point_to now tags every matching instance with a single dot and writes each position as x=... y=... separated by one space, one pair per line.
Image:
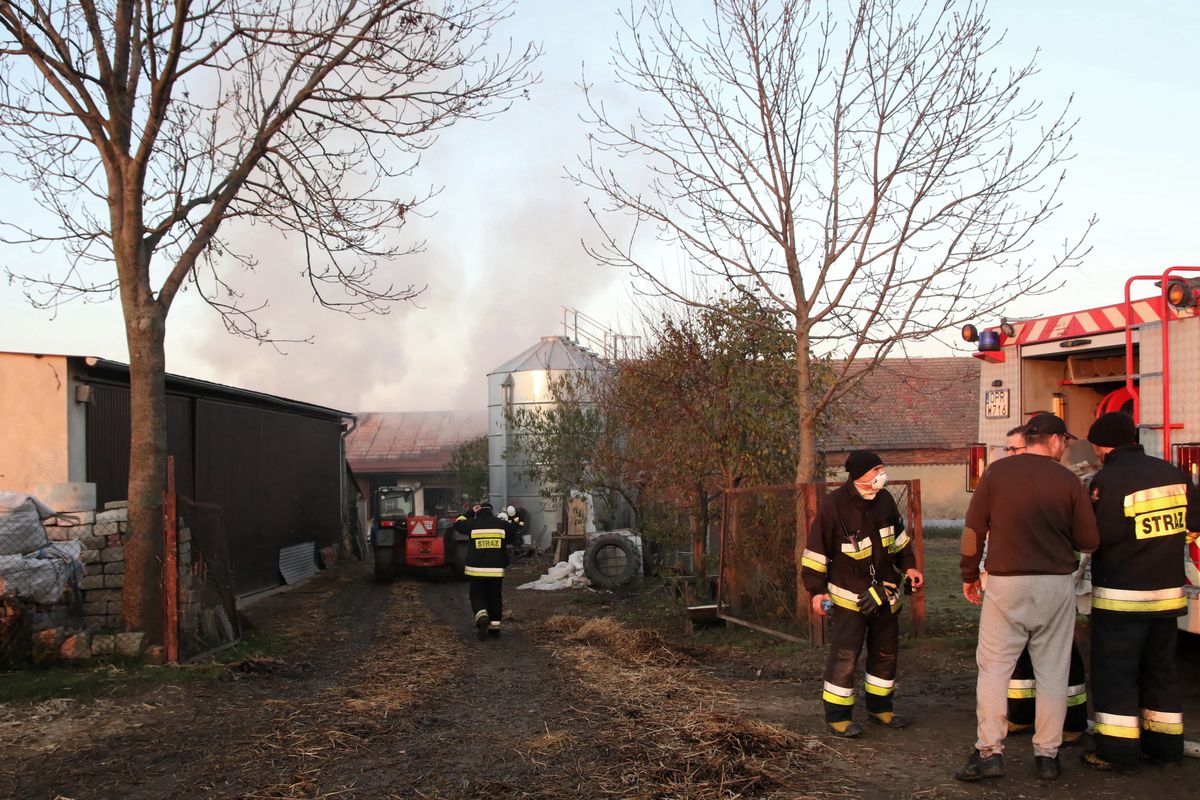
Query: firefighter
x=487 y=556
x=1022 y=687
x=1145 y=508
x=855 y=560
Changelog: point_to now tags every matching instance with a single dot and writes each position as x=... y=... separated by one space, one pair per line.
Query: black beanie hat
x=860 y=462
x=1114 y=429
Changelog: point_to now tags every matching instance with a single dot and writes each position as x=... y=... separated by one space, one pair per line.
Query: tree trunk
x=699 y=536
x=806 y=458
x=142 y=598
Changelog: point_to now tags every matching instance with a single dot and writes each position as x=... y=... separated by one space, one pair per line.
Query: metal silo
x=524 y=382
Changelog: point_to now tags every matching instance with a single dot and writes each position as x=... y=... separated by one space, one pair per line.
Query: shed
x=275 y=466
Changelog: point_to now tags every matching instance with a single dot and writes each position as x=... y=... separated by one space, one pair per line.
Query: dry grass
x=662 y=728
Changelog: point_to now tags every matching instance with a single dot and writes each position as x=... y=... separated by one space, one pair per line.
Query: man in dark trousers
x=1145 y=507
x=487 y=556
x=1034 y=515
x=855 y=559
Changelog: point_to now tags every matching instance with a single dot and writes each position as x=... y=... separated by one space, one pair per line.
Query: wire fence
x=42 y=563
x=207 y=607
x=761 y=545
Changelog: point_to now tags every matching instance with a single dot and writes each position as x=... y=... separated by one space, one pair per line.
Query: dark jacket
x=850 y=535
x=1145 y=506
x=487 y=549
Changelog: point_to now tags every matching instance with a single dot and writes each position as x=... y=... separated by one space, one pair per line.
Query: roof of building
x=108 y=371
x=411 y=441
x=551 y=352
x=910 y=404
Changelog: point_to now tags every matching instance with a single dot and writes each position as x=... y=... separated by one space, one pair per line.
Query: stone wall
x=88 y=622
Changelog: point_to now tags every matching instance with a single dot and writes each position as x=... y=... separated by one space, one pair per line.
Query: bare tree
x=866 y=172
x=145 y=128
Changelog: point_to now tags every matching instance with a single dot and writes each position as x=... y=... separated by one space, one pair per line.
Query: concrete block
x=91 y=582
x=78 y=518
x=77 y=648
x=94 y=543
x=114 y=540
x=114 y=581
x=104 y=596
x=156 y=655
x=107 y=528
x=93 y=568
x=110 y=554
x=185 y=535
x=95 y=609
x=103 y=645
x=57 y=534
x=114 y=568
x=46 y=645
x=78 y=532
x=112 y=504
x=129 y=645
x=112 y=515
x=66 y=497
x=90 y=556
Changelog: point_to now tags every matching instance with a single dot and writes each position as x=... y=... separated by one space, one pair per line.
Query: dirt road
x=382 y=691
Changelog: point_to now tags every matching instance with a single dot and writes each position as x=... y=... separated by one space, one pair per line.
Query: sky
x=504 y=253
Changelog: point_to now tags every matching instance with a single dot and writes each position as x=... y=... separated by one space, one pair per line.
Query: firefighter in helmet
x=1145 y=508
x=487 y=556
x=854 y=563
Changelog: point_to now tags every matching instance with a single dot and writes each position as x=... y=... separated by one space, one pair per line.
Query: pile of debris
x=563 y=575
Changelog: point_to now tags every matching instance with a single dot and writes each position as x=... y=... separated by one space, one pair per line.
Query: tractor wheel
x=385 y=569
x=611 y=561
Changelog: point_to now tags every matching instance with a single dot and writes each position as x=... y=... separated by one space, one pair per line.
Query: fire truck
x=405 y=537
x=1140 y=356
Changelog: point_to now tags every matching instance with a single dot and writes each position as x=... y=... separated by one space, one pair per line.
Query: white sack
x=21 y=528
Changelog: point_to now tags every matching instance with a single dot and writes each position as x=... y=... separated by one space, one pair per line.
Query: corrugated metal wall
x=275 y=475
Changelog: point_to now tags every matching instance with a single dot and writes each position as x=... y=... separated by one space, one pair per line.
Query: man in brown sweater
x=1034 y=514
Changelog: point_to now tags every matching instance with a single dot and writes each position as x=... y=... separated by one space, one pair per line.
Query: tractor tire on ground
x=385 y=568
x=611 y=561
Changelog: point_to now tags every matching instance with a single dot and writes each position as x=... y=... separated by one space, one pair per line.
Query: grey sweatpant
x=1038 y=610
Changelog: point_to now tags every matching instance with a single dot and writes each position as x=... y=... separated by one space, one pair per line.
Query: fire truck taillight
x=976 y=464
x=1187 y=458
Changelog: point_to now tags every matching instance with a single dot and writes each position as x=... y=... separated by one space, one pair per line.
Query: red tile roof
x=910 y=404
x=411 y=441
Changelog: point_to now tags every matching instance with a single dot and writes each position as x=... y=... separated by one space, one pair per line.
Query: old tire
x=385 y=568
x=611 y=561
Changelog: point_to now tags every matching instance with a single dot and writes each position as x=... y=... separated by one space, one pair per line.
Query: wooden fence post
x=917 y=604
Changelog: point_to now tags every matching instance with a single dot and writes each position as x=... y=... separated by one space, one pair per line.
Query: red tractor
x=402 y=538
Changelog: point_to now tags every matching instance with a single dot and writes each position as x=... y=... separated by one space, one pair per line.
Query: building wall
x=943 y=485
x=36 y=395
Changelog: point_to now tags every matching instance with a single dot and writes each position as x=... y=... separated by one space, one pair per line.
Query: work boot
x=1047 y=767
x=1016 y=728
x=889 y=720
x=1072 y=738
x=494 y=630
x=978 y=767
x=847 y=729
x=1090 y=760
x=481 y=625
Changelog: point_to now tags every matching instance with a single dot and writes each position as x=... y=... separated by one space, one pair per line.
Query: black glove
x=872 y=599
